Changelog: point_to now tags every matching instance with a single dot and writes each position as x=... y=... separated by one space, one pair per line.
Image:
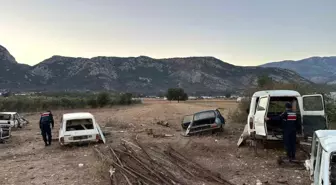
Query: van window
x=312 y=103
x=262 y=104
x=79 y=124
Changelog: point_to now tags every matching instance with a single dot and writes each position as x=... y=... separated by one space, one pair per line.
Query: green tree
x=176 y=94
x=103 y=99
x=228 y=95
x=264 y=80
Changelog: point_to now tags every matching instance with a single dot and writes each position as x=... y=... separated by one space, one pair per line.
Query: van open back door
x=261 y=113
x=313 y=114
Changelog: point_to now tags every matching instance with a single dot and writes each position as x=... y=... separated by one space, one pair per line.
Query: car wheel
x=221 y=128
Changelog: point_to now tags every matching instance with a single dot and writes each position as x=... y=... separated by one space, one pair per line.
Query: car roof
x=277 y=93
x=324 y=133
x=329 y=143
x=77 y=115
x=8 y=112
x=205 y=111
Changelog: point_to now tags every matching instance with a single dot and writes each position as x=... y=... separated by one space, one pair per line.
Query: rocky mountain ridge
x=134 y=74
x=315 y=69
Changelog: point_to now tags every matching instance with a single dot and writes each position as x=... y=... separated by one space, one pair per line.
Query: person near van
x=289 y=122
x=46 y=124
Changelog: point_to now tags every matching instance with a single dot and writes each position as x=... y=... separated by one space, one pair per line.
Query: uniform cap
x=288 y=105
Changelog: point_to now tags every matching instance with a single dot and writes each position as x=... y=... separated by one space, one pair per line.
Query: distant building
x=192 y=98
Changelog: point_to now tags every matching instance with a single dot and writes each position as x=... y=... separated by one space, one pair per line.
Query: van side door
x=260 y=114
x=313 y=114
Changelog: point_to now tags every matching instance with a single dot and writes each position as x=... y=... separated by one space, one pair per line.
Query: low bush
x=33 y=103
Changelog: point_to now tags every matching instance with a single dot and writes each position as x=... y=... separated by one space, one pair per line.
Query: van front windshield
x=79 y=124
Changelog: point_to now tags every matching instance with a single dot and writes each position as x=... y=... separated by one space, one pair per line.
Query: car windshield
x=79 y=124
x=204 y=115
x=5 y=116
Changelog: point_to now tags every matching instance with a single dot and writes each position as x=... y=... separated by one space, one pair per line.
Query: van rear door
x=260 y=114
x=313 y=114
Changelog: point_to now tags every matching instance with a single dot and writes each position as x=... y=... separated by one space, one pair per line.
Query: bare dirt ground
x=25 y=160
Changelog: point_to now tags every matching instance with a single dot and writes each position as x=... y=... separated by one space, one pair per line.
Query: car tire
x=221 y=128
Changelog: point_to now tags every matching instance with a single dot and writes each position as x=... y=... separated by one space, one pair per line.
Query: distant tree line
x=32 y=103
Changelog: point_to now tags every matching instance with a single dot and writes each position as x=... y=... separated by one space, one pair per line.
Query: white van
x=79 y=128
x=310 y=110
x=322 y=162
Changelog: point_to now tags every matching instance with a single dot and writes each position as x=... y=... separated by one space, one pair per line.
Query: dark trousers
x=290 y=144
x=46 y=133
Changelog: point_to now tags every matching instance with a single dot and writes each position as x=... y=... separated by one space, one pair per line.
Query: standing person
x=288 y=119
x=45 y=121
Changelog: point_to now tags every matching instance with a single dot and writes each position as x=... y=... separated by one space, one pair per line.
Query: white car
x=13 y=119
x=79 y=128
x=322 y=162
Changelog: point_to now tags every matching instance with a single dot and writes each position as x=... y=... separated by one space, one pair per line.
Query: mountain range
x=315 y=69
x=135 y=74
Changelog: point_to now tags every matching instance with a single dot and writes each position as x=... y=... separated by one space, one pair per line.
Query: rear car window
x=204 y=115
x=79 y=124
x=5 y=116
x=187 y=119
x=313 y=103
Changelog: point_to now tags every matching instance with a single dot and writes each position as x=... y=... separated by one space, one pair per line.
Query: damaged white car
x=322 y=162
x=79 y=128
x=5 y=132
x=13 y=119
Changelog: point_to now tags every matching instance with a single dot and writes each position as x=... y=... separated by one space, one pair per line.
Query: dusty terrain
x=25 y=160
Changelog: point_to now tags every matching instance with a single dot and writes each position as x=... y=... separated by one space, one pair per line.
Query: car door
x=186 y=121
x=60 y=131
x=313 y=154
x=15 y=120
x=260 y=114
x=101 y=133
x=313 y=114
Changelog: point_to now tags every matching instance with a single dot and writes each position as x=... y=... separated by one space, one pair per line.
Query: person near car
x=289 y=122
x=46 y=124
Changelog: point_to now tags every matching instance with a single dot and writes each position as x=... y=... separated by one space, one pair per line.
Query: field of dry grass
x=25 y=159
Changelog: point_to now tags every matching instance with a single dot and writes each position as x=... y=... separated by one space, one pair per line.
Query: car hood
x=81 y=132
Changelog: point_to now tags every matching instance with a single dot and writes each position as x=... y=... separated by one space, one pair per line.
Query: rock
x=282 y=181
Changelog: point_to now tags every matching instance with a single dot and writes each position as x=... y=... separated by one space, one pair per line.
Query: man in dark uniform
x=289 y=122
x=45 y=121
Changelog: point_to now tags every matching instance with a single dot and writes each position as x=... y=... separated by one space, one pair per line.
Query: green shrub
x=53 y=102
x=103 y=99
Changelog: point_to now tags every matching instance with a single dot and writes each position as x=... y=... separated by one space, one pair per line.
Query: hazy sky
x=241 y=32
